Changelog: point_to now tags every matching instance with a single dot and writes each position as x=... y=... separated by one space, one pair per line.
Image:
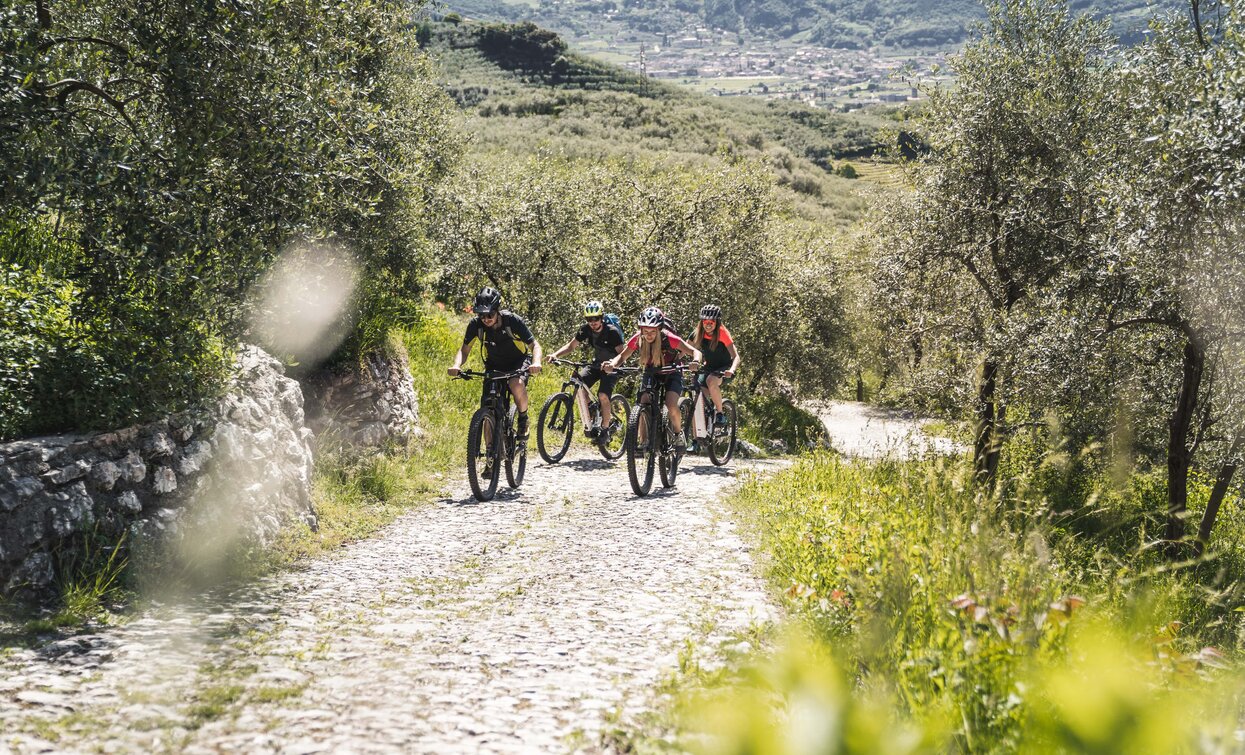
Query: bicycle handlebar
x=488 y=375
x=569 y=363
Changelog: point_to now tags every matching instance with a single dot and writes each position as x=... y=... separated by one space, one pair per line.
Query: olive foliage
x=551 y=232
x=1074 y=232
x=173 y=149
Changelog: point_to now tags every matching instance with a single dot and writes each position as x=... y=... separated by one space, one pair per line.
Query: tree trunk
x=987 y=428
x=995 y=451
x=1179 y=455
x=860 y=386
x=1222 y=481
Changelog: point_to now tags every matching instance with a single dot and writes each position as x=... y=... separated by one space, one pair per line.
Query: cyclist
x=607 y=340
x=659 y=347
x=721 y=356
x=506 y=344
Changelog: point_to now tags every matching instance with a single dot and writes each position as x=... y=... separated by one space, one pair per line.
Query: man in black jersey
x=506 y=344
x=607 y=340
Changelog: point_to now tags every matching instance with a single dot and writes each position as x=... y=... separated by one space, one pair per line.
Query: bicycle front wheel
x=640 y=460
x=554 y=427
x=614 y=443
x=483 y=466
x=722 y=443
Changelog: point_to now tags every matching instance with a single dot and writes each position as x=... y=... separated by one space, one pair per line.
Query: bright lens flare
x=302 y=307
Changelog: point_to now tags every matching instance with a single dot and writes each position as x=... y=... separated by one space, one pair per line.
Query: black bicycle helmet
x=711 y=312
x=487 y=300
x=651 y=317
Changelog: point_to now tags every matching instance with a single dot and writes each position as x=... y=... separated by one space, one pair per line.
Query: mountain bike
x=492 y=436
x=650 y=420
x=556 y=423
x=720 y=443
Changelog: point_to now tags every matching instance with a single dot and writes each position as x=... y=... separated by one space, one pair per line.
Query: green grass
x=930 y=618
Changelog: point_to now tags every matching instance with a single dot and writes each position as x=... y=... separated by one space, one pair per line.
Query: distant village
x=715 y=62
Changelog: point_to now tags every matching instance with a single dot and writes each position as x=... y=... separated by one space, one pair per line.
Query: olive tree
x=1001 y=204
x=1173 y=261
x=551 y=232
x=178 y=146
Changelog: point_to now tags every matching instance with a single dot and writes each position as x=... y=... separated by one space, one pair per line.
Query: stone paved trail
x=529 y=623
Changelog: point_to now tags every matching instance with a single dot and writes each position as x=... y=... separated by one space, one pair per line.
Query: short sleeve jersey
x=670 y=350
x=504 y=347
x=718 y=357
x=604 y=344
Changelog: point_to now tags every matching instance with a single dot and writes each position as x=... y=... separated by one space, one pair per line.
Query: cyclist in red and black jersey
x=721 y=356
x=659 y=347
x=507 y=345
x=606 y=340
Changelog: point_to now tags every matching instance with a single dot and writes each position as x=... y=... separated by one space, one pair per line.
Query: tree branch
x=53 y=42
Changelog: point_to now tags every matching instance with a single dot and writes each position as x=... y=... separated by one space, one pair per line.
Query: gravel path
x=534 y=622
x=871 y=432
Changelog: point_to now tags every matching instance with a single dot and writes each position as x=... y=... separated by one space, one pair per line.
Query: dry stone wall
x=365 y=405
x=232 y=475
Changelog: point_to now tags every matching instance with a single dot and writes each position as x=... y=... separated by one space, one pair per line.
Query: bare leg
x=672 y=404
x=581 y=398
x=607 y=409
x=714 y=383
x=520 y=394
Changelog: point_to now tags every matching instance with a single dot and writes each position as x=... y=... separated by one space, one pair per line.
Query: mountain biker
x=715 y=342
x=606 y=340
x=506 y=344
x=659 y=347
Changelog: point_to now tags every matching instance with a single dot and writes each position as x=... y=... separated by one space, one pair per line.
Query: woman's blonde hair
x=651 y=353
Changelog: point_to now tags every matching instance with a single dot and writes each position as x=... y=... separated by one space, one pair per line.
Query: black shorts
x=671 y=382
x=591 y=375
x=488 y=384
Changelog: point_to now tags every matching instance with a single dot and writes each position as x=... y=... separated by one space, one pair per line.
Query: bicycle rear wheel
x=483 y=466
x=722 y=444
x=686 y=408
x=554 y=427
x=614 y=444
x=640 y=461
x=516 y=452
x=668 y=462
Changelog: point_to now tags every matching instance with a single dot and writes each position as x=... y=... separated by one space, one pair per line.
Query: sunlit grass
x=929 y=617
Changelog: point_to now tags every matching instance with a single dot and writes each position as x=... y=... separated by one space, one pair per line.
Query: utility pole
x=644 y=68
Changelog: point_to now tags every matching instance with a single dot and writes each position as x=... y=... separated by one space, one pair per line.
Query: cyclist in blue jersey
x=606 y=340
x=507 y=345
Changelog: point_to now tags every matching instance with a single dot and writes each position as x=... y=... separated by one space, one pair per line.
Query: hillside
x=525 y=92
x=847 y=24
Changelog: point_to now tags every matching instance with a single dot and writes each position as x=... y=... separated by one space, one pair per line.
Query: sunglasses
x=592 y=319
x=490 y=315
x=708 y=322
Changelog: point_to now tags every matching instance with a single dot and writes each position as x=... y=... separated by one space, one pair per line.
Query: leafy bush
x=36 y=313
x=180 y=188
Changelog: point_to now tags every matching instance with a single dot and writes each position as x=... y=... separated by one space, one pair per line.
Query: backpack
x=613 y=319
x=668 y=324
